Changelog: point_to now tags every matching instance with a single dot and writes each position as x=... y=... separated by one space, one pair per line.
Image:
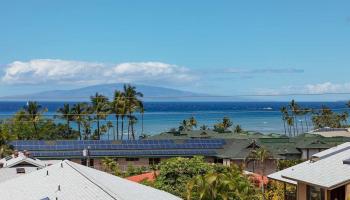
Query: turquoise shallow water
x=263 y=117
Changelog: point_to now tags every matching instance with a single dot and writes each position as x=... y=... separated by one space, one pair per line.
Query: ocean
x=264 y=117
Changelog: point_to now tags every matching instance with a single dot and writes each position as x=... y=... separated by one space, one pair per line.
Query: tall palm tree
x=78 y=112
x=122 y=116
x=133 y=121
x=142 y=111
x=33 y=112
x=65 y=113
x=116 y=104
x=306 y=111
x=290 y=123
x=109 y=127
x=100 y=107
x=132 y=103
x=284 y=112
x=294 y=108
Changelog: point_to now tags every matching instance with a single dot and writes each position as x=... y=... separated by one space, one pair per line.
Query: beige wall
x=347 y=191
x=301 y=191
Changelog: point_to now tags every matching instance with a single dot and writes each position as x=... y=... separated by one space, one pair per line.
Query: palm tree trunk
x=122 y=128
x=79 y=130
x=128 y=129
x=117 y=127
x=98 y=128
x=68 y=129
x=132 y=131
x=36 y=130
x=142 y=124
x=296 y=124
x=284 y=126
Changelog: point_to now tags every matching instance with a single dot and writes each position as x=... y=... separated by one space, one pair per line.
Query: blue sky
x=218 y=47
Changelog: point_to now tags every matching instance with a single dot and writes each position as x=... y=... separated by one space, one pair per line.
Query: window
x=84 y=162
x=314 y=193
x=91 y=163
x=132 y=159
x=153 y=161
x=20 y=170
x=218 y=160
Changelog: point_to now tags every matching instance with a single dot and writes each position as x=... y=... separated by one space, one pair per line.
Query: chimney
x=26 y=153
x=16 y=153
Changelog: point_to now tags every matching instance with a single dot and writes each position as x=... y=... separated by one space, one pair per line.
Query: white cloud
x=54 y=71
x=327 y=87
x=318 y=88
x=265 y=71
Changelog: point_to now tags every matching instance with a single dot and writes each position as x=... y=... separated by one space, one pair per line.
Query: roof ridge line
x=95 y=183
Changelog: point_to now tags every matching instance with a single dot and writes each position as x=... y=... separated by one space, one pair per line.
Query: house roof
x=12 y=161
x=149 y=176
x=68 y=180
x=233 y=148
x=327 y=169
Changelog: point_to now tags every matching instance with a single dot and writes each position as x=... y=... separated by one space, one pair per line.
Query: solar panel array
x=125 y=153
x=73 y=148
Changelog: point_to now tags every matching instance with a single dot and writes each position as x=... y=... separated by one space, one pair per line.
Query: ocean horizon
x=264 y=117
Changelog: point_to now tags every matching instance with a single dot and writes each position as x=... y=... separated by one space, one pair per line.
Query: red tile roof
x=149 y=176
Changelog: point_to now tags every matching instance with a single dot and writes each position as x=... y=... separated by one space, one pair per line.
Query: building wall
x=301 y=191
x=307 y=153
x=270 y=166
x=347 y=191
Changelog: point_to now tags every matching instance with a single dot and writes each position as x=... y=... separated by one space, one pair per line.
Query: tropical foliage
x=229 y=185
x=223 y=126
x=297 y=120
x=175 y=173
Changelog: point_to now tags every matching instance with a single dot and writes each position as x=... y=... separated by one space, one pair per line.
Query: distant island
x=151 y=93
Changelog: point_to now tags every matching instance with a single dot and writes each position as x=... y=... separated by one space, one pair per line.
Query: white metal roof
x=10 y=173
x=71 y=181
x=327 y=172
x=21 y=158
x=278 y=176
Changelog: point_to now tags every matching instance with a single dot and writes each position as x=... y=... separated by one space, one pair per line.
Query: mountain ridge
x=151 y=93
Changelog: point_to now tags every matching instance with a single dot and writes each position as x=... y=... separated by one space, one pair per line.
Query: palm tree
x=109 y=127
x=226 y=122
x=65 y=113
x=284 y=112
x=290 y=122
x=132 y=121
x=86 y=123
x=122 y=116
x=306 y=111
x=142 y=111
x=193 y=122
x=261 y=155
x=231 y=184
x=33 y=112
x=117 y=103
x=100 y=107
x=132 y=103
x=78 y=112
x=294 y=108
x=238 y=129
